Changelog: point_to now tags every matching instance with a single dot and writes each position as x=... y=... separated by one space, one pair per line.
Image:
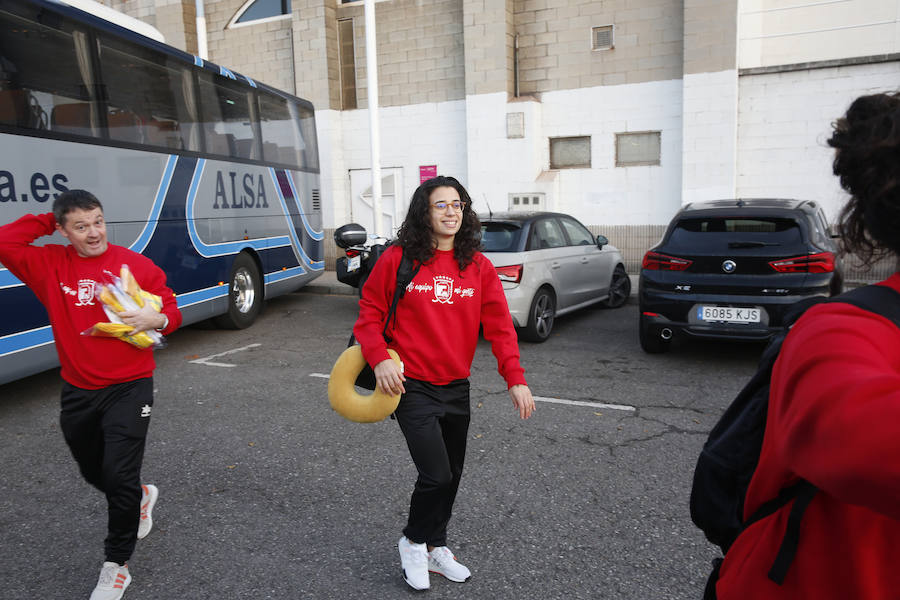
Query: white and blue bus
x=212 y=175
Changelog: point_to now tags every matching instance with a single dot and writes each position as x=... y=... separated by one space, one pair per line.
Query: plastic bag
x=123 y=293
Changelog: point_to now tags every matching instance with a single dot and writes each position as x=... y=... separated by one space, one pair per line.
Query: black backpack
x=731 y=453
x=405 y=273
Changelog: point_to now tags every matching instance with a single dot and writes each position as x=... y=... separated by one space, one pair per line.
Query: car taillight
x=511 y=273
x=352 y=253
x=810 y=263
x=655 y=261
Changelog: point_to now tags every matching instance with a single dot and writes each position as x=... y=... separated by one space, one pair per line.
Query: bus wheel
x=244 y=294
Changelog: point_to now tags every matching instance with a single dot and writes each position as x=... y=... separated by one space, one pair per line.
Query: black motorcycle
x=359 y=258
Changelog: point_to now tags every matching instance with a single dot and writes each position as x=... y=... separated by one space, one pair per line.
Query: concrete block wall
x=601 y=195
x=488 y=46
x=261 y=51
x=785 y=121
x=710 y=88
x=420 y=51
x=555 y=43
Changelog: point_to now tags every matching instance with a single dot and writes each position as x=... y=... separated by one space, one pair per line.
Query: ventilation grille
x=531 y=201
x=316 y=201
x=602 y=37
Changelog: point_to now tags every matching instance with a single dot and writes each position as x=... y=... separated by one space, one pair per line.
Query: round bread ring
x=350 y=404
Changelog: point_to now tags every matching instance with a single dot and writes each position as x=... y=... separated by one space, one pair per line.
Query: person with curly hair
x=834 y=406
x=435 y=328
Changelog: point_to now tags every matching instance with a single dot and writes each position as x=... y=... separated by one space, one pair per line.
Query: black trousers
x=435 y=422
x=106 y=430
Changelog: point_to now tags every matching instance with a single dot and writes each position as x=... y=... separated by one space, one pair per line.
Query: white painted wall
x=785 y=122
x=710 y=135
x=413 y=135
x=778 y=32
x=602 y=195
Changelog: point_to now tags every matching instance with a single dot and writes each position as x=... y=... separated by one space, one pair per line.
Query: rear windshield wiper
x=751 y=244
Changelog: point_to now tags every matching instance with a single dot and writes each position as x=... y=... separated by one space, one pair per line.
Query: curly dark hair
x=867 y=160
x=416 y=236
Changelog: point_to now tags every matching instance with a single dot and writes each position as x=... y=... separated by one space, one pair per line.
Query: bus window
x=282 y=138
x=149 y=101
x=307 y=119
x=226 y=111
x=50 y=89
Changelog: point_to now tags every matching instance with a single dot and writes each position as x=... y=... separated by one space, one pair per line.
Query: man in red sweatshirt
x=435 y=331
x=107 y=392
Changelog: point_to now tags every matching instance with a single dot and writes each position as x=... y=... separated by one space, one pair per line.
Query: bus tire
x=245 y=294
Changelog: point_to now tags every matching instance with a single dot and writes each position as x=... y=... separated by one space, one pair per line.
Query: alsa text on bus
x=248 y=199
x=39 y=188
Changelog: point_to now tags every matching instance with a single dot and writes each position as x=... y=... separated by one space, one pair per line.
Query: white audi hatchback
x=550 y=264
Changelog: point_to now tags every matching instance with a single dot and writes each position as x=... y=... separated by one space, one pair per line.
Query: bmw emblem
x=729 y=266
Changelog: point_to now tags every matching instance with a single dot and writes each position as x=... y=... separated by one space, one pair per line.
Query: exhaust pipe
x=665 y=333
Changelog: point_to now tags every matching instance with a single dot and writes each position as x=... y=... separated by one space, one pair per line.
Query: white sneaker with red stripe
x=112 y=583
x=148 y=499
x=442 y=562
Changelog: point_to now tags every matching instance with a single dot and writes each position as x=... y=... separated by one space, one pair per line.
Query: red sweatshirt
x=834 y=420
x=436 y=327
x=64 y=283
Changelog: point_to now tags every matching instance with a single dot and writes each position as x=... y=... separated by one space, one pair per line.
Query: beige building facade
x=615 y=111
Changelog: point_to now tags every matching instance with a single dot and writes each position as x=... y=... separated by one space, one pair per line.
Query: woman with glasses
x=435 y=331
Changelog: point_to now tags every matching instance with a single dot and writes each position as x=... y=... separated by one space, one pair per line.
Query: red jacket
x=436 y=327
x=834 y=420
x=64 y=283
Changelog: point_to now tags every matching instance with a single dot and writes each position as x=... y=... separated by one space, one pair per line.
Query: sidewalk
x=327 y=283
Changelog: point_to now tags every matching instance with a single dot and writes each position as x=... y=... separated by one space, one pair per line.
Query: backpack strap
x=406 y=271
x=405 y=274
x=877 y=299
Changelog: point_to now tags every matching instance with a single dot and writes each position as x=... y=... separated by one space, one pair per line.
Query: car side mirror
x=602 y=241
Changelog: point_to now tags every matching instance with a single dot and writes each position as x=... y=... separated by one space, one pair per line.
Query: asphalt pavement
x=268 y=494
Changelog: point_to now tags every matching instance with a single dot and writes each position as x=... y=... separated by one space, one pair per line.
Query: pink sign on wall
x=427 y=172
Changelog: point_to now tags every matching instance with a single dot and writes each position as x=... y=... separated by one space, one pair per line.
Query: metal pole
x=202 y=50
x=375 y=135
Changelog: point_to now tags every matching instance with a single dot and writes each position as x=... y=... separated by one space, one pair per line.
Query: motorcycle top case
x=350 y=234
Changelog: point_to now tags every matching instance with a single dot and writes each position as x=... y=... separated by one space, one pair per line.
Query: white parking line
x=624 y=407
x=206 y=360
x=581 y=403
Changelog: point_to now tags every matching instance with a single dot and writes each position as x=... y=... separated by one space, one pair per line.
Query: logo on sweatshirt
x=443 y=289
x=85 y=292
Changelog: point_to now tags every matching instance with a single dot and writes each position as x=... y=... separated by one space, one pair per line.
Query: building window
x=637 y=148
x=570 y=152
x=260 y=11
x=602 y=38
x=347 y=58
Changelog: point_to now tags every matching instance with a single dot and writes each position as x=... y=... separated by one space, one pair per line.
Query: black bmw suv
x=730 y=269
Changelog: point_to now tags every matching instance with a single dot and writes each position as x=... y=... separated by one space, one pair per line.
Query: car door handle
x=554 y=264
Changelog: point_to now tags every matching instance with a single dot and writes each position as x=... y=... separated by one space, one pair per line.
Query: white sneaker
x=148 y=499
x=414 y=559
x=442 y=562
x=112 y=583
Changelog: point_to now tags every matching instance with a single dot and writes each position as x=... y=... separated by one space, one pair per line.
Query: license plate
x=728 y=314
x=352 y=263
